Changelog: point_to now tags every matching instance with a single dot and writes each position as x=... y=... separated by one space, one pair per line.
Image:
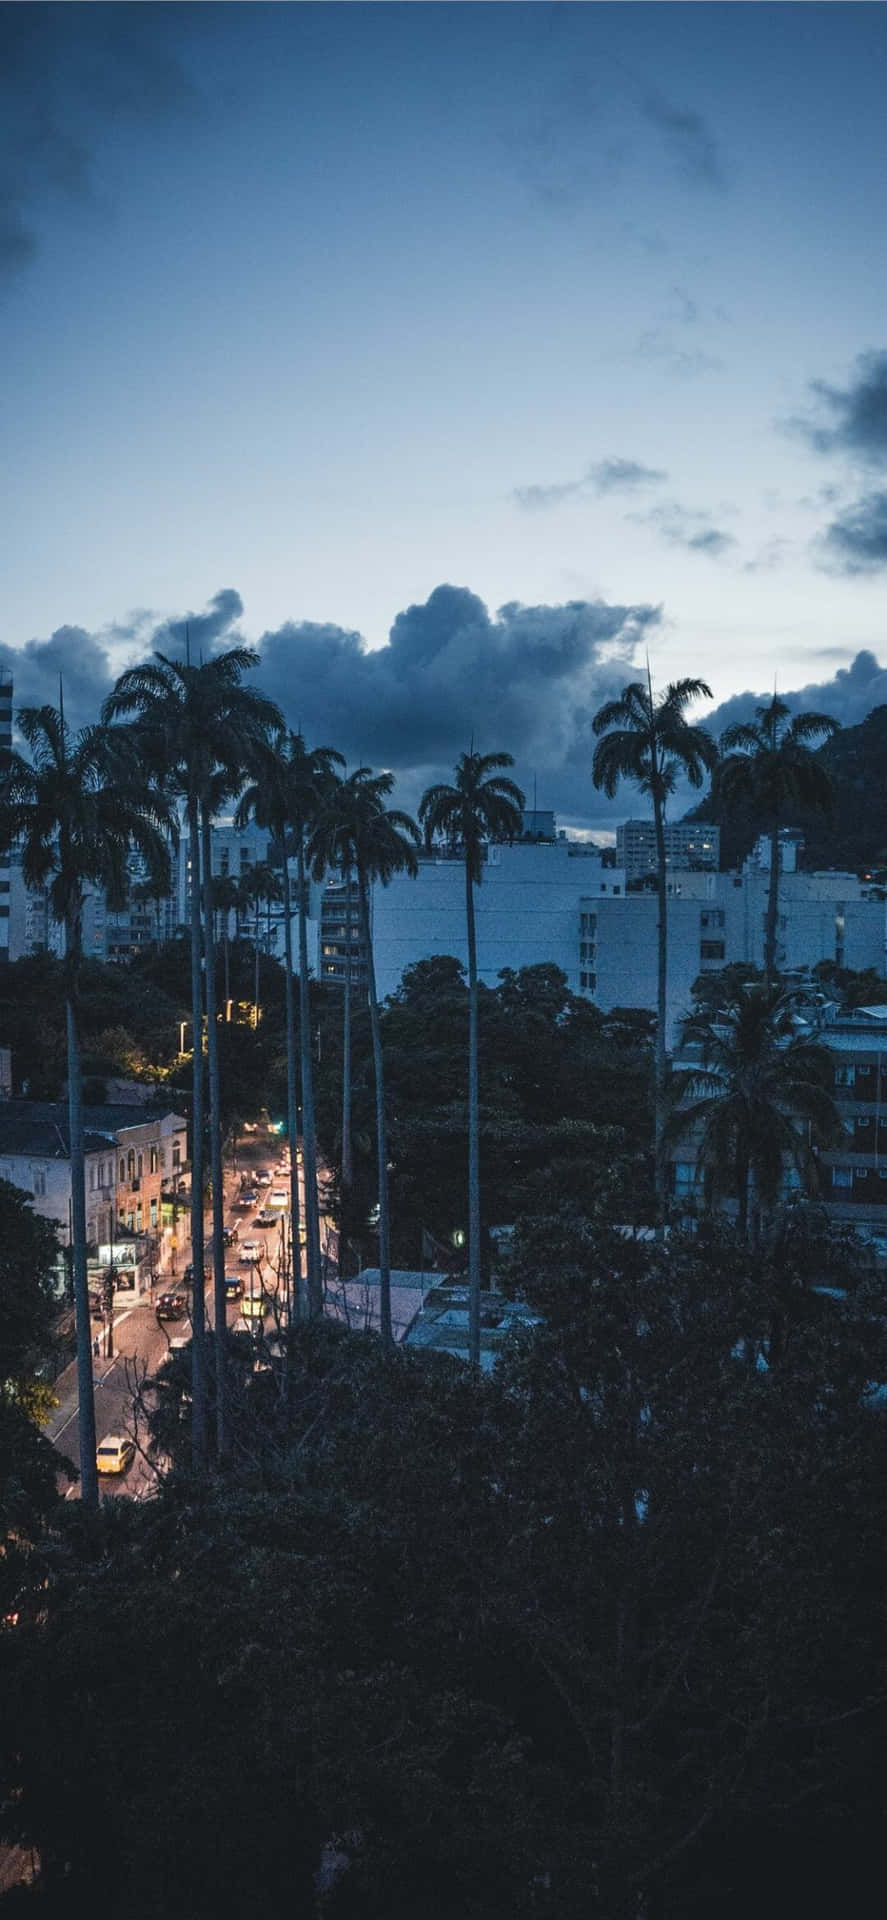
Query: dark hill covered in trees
x=854 y=834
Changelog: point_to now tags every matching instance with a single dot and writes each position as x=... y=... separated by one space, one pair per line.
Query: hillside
x=854 y=834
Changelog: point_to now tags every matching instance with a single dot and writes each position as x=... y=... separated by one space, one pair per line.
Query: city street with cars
x=144 y=1331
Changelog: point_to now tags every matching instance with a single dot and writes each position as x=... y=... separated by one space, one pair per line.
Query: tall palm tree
x=259 y=885
x=648 y=739
x=225 y=896
x=285 y=796
x=768 y=765
x=356 y=833
x=759 y=1100
x=482 y=805
x=79 y=808
x=194 y=725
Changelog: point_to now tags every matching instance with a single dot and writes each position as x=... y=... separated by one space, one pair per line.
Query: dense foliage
x=602 y=1635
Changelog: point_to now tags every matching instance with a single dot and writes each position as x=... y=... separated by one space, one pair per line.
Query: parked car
x=263 y=1177
x=233 y=1286
x=252 y=1250
x=115 y=1453
x=268 y=1217
x=230 y=1236
x=172 y=1306
x=247 y=1200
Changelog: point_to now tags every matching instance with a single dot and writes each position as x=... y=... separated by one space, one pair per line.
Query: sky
x=458 y=357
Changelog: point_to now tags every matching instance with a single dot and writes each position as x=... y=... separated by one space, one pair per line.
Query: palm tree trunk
x=292 y=1124
x=660 y=1066
x=772 y=906
x=89 y=1485
x=347 y=1153
x=473 y=1134
x=220 y=1313
x=256 y=992
x=198 y=1302
x=309 y=1140
x=381 y=1128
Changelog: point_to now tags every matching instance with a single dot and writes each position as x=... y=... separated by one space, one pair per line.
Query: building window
x=153 y=1215
x=712 y=917
x=123 y=1169
x=711 y=949
x=139 y=1218
x=845 y=1076
x=842 y=1176
x=153 y=1159
x=39 y=1181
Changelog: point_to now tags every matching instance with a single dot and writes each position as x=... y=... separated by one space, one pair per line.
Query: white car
x=278 y=1197
x=251 y=1250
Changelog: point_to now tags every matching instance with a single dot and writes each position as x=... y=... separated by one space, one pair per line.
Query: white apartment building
x=527 y=908
x=718 y=919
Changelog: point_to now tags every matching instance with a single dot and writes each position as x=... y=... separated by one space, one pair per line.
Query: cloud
x=526 y=680
x=686 y=363
x=65 y=72
x=612 y=475
x=90 y=662
x=686 y=527
x=688 y=139
x=523 y=680
x=857 y=541
x=848 y=696
x=859 y=412
x=82 y=659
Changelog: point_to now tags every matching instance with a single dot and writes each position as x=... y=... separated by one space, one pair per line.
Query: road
x=141 y=1343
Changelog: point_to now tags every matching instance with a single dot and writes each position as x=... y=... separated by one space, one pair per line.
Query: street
x=141 y=1343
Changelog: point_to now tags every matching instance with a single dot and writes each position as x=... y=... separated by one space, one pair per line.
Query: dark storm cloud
x=203 y=632
x=613 y=475
x=848 y=696
x=688 y=139
x=65 y=72
x=857 y=541
x=83 y=661
x=524 y=681
x=858 y=412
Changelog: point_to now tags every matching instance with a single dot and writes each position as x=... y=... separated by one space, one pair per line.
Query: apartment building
x=689 y=844
x=134 y=1164
x=526 y=911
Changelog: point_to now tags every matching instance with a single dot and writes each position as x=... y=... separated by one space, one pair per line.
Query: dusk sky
x=455 y=355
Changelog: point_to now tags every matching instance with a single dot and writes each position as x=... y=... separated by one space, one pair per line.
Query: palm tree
x=225 y=896
x=650 y=741
x=768 y=765
x=758 y=1101
x=355 y=832
x=287 y=791
x=194 y=725
x=79 y=808
x=259 y=884
x=482 y=805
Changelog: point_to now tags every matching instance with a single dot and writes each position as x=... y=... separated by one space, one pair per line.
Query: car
x=230 y=1236
x=252 y=1250
x=172 y=1306
x=253 y=1308
x=233 y=1286
x=115 y=1453
x=187 y=1279
x=263 y=1177
x=179 y=1343
x=247 y=1200
x=278 y=1197
x=95 y=1304
x=268 y=1217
